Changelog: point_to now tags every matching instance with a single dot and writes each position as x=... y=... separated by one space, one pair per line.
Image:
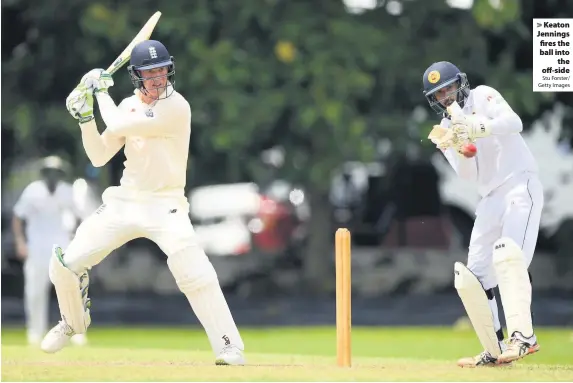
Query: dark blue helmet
x=442 y=74
x=150 y=54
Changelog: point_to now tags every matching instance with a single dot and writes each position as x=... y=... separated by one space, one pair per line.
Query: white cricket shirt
x=156 y=139
x=48 y=216
x=499 y=156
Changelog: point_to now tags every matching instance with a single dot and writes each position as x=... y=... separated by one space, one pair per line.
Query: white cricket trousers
x=512 y=210
x=118 y=220
x=165 y=221
x=37 y=287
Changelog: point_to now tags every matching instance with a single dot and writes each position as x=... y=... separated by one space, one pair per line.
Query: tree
x=308 y=76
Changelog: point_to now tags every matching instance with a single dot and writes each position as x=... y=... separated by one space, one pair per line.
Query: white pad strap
x=514 y=286
x=476 y=303
x=72 y=292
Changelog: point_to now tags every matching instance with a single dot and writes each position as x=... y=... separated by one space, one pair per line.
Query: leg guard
x=476 y=302
x=197 y=279
x=514 y=286
x=72 y=293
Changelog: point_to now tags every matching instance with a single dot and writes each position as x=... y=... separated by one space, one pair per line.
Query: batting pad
x=191 y=269
x=475 y=302
x=198 y=280
x=71 y=291
x=514 y=286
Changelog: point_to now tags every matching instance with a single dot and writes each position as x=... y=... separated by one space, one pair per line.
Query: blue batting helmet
x=150 y=54
x=440 y=75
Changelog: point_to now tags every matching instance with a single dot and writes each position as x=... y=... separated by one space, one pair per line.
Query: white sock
x=210 y=307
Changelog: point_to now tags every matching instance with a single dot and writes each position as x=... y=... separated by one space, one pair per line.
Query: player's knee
x=77 y=258
x=87 y=249
x=191 y=269
x=506 y=250
x=464 y=277
x=478 y=269
x=75 y=263
x=483 y=272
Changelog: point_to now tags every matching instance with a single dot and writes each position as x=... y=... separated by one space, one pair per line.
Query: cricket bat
x=143 y=35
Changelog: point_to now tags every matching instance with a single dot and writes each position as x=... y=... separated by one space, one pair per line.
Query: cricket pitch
x=279 y=354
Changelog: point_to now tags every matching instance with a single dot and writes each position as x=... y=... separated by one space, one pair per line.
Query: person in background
x=43 y=215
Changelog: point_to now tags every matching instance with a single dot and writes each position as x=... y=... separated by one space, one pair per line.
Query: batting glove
x=471 y=127
x=97 y=80
x=80 y=104
x=445 y=138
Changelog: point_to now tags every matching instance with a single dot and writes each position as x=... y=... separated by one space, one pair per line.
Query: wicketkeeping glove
x=98 y=80
x=80 y=104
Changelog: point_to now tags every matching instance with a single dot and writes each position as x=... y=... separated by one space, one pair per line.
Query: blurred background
x=307 y=116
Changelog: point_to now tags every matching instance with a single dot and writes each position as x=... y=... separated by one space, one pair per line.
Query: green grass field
x=280 y=354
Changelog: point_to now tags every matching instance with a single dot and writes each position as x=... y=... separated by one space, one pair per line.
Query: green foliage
x=307 y=76
x=496 y=14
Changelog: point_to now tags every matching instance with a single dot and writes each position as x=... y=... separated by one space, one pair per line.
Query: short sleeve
x=23 y=207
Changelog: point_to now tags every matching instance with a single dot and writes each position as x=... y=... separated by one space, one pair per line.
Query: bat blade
x=143 y=35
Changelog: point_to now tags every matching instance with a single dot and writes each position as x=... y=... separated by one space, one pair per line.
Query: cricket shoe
x=517 y=348
x=57 y=338
x=485 y=359
x=230 y=356
x=79 y=340
x=34 y=340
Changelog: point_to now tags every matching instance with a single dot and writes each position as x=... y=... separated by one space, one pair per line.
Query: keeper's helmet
x=151 y=54
x=440 y=75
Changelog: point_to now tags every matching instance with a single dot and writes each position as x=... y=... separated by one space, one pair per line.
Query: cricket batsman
x=507 y=217
x=154 y=126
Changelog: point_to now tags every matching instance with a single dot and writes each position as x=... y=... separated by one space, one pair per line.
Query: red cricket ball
x=469 y=150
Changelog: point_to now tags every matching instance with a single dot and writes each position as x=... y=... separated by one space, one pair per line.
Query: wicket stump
x=343 y=305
